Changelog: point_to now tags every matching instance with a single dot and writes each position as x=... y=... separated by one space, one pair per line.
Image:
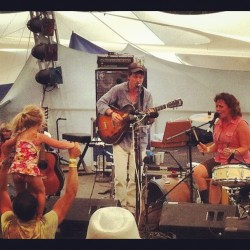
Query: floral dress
x=26 y=159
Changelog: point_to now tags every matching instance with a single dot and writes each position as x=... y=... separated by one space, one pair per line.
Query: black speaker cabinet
x=106 y=78
x=76 y=223
x=193 y=220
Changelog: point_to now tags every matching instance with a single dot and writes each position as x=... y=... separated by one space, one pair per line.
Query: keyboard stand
x=81 y=138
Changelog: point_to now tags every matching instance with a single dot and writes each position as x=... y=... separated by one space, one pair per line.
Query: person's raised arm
x=62 y=206
x=5 y=201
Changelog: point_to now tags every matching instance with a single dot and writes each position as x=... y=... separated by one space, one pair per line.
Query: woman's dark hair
x=25 y=206
x=231 y=102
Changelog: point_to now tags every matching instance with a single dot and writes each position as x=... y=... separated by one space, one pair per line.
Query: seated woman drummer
x=231 y=143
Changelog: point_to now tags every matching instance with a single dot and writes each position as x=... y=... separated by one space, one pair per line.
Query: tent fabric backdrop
x=75 y=100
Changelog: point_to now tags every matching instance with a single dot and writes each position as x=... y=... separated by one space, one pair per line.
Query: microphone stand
x=57 y=133
x=138 y=156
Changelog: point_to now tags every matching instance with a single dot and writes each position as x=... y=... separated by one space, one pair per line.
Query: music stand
x=174 y=136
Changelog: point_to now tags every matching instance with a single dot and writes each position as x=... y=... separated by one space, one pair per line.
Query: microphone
x=216 y=115
x=230 y=158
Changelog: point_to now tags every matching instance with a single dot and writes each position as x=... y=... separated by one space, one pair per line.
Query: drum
x=231 y=175
x=168 y=190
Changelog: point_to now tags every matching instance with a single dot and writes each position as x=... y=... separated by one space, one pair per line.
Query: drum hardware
x=235 y=199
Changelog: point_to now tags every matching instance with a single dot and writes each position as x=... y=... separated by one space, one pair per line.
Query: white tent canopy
x=217 y=40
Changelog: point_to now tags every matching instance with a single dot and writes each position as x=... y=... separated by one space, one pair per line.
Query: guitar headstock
x=175 y=103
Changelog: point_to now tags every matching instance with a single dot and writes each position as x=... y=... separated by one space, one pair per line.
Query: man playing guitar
x=130 y=93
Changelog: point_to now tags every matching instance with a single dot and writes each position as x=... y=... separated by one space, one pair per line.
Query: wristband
x=72 y=166
x=72 y=163
x=72 y=160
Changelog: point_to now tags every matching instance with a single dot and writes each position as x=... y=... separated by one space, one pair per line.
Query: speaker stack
x=112 y=70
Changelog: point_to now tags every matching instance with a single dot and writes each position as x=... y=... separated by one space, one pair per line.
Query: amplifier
x=114 y=61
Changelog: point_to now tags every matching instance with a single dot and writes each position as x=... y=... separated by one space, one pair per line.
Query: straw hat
x=112 y=223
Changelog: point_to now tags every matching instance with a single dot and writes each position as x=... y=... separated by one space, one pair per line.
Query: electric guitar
x=52 y=175
x=111 y=133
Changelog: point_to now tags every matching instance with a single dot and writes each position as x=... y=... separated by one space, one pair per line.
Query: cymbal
x=203 y=117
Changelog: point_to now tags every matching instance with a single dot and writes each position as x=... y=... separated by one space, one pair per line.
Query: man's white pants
x=125 y=189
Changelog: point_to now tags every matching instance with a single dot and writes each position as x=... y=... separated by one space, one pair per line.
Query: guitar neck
x=158 y=108
x=173 y=104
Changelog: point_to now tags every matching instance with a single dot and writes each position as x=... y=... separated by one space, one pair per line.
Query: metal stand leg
x=61 y=159
x=112 y=183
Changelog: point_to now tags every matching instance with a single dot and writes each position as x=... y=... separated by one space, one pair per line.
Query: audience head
x=25 y=206
x=112 y=223
x=5 y=131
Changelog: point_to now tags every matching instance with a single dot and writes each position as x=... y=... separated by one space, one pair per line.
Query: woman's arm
x=243 y=132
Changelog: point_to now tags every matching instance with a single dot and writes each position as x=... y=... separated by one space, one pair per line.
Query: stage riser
x=75 y=224
x=193 y=220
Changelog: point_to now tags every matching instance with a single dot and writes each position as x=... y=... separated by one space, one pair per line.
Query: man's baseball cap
x=135 y=67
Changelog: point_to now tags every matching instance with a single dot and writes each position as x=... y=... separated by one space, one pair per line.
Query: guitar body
x=52 y=175
x=111 y=132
